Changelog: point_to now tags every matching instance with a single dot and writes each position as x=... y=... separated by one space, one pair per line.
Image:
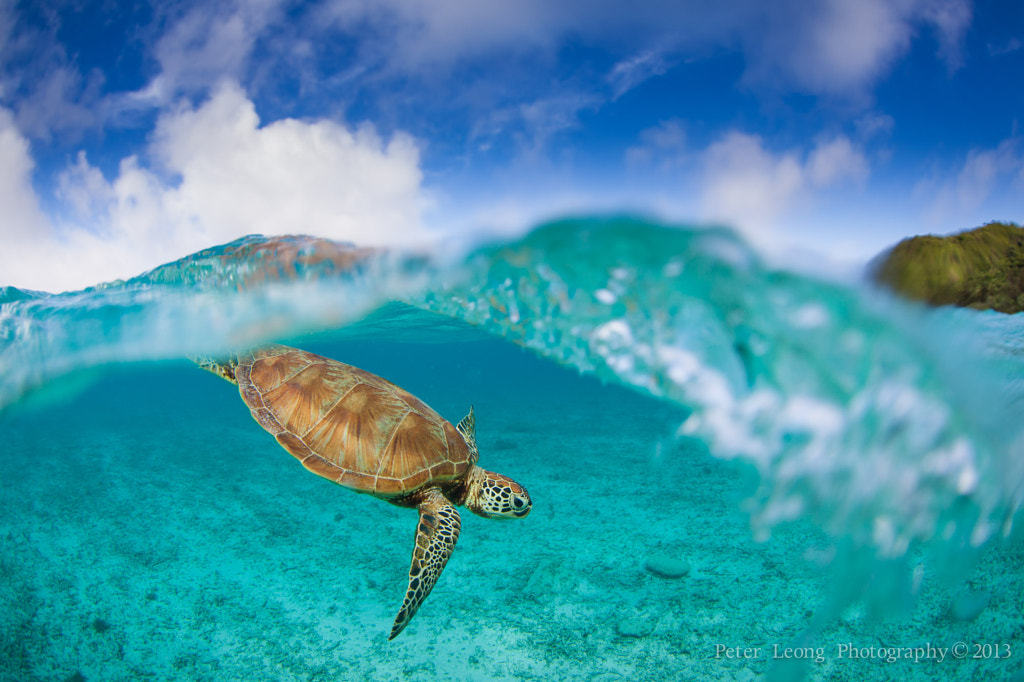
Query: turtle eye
x=520 y=506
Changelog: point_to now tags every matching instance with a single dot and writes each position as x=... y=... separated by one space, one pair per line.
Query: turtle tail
x=225 y=369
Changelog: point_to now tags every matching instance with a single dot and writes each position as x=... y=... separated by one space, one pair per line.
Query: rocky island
x=982 y=268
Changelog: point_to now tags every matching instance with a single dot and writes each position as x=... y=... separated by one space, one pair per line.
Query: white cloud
x=822 y=46
x=832 y=47
x=548 y=116
x=533 y=123
x=752 y=188
x=84 y=190
x=950 y=19
x=59 y=102
x=423 y=34
x=629 y=73
x=847 y=44
x=38 y=82
x=874 y=125
x=746 y=185
x=834 y=161
x=290 y=176
x=663 y=145
x=210 y=43
x=842 y=47
x=22 y=219
x=977 y=178
x=1003 y=48
x=222 y=176
x=963 y=199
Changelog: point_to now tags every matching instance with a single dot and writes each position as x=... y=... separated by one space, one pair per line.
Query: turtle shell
x=350 y=426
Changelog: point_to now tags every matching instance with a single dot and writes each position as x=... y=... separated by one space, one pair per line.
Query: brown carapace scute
x=364 y=433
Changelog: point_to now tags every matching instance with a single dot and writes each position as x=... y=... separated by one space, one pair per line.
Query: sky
x=135 y=133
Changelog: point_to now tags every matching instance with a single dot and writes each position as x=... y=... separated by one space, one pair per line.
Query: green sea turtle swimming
x=366 y=434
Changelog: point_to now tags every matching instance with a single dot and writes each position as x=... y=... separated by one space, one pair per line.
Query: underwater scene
x=737 y=472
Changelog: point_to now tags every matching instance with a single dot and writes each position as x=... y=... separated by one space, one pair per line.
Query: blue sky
x=134 y=133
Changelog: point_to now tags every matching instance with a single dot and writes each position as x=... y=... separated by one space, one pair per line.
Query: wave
x=886 y=423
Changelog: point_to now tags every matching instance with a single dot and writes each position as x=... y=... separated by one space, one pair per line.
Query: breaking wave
x=887 y=424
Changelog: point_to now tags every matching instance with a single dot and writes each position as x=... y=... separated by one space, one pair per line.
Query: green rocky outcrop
x=982 y=268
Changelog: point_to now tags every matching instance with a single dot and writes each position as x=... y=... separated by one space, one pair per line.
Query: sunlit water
x=840 y=471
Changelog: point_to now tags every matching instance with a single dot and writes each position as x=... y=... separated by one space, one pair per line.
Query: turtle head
x=494 y=496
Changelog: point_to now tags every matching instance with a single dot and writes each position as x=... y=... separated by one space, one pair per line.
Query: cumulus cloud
x=22 y=220
x=290 y=175
x=745 y=184
x=219 y=175
x=751 y=187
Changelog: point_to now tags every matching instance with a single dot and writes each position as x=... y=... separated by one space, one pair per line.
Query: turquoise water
x=838 y=473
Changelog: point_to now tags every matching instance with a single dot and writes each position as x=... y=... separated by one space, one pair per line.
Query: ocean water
x=836 y=474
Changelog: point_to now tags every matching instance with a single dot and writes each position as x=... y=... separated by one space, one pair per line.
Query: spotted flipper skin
x=436 y=534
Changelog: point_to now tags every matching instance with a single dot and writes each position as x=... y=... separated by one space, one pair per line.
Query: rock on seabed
x=667 y=567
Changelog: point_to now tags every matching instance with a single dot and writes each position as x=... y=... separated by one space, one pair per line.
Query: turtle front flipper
x=436 y=534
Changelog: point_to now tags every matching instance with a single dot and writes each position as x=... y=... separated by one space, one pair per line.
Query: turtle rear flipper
x=436 y=535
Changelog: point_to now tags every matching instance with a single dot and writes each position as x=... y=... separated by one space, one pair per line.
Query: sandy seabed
x=150 y=530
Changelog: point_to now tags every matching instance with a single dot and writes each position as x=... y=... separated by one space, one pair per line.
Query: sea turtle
x=366 y=434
